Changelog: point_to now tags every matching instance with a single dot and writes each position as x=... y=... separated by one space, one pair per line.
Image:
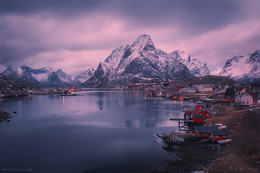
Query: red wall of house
x=204 y=113
x=198 y=120
x=218 y=138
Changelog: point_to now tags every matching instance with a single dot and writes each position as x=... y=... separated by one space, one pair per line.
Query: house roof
x=198 y=116
x=220 y=132
x=204 y=109
x=241 y=95
x=206 y=129
x=207 y=85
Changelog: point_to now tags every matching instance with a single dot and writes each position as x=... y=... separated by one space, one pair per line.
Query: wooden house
x=244 y=99
x=219 y=135
x=205 y=131
x=205 y=112
x=198 y=119
x=199 y=106
x=188 y=90
x=203 y=88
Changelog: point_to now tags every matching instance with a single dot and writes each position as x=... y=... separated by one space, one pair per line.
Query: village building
x=205 y=112
x=205 y=131
x=219 y=135
x=198 y=119
x=244 y=99
x=199 y=106
x=204 y=88
x=188 y=90
x=223 y=87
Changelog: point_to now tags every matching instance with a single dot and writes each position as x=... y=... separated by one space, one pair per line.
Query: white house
x=244 y=99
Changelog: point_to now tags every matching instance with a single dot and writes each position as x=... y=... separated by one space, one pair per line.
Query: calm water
x=98 y=130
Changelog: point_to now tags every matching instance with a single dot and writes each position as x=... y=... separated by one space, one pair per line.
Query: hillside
x=205 y=80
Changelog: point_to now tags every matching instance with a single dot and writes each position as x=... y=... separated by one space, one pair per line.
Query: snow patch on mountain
x=243 y=67
x=82 y=77
x=216 y=71
x=2 y=68
x=195 y=66
x=138 y=62
x=40 y=77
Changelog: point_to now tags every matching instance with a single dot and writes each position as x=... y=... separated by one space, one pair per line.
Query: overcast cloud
x=78 y=34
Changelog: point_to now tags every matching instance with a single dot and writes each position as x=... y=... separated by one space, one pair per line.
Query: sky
x=78 y=34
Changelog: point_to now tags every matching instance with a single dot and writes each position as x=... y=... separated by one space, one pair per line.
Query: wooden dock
x=175 y=138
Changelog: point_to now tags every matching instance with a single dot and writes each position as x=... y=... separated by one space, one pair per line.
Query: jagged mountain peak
x=195 y=66
x=189 y=59
x=40 y=76
x=140 y=61
x=243 y=68
x=82 y=77
x=143 y=42
x=114 y=58
x=254 y=57
x=9 y=69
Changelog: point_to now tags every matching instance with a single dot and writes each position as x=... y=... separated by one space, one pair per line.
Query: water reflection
x=94 y=130
x=100 y=101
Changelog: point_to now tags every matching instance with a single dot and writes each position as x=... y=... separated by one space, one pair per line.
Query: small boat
x=67 y=93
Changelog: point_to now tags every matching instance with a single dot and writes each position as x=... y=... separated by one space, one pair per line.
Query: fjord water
x=97 y=130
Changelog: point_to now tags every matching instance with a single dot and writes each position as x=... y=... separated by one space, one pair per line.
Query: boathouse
x=219 y=135
x=205 y=131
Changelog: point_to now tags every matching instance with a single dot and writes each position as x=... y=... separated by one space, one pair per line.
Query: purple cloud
x=75 y=35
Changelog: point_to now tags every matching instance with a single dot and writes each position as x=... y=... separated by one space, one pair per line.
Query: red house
x=205 y=112
x=199 y=106
x=219 y=135
x=198 y=119
x=205 y=131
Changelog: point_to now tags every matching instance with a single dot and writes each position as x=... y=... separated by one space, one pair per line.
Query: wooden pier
x=182 y=123
x=176 y=138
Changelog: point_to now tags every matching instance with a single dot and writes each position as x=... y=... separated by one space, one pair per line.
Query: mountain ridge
x=141 y=61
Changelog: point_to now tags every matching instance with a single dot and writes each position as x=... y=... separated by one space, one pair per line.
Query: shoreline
x=243 y=153
x=240 y=155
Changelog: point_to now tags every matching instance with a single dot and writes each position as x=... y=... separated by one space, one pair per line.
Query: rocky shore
x=243 y=153
x=240 y=155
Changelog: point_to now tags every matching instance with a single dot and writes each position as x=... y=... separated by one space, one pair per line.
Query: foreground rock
x=4 y=116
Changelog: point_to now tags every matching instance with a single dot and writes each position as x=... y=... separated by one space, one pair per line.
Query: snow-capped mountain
x=195 y=66
x=40 y=77
x=243 y=68
x=138 y=62
x=2 y=68
x=82 y=77
x=216 y=71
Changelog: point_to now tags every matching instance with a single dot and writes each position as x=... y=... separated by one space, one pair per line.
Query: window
x=216 y=136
